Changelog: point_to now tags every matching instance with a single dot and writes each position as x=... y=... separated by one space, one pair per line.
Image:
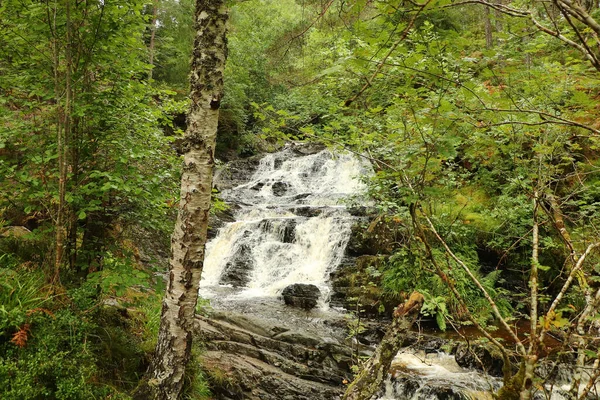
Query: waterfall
x=292 y=225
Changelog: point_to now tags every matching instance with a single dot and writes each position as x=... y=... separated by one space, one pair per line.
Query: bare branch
x=474 y=279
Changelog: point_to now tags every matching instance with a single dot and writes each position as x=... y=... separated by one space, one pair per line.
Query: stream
x=291 y=224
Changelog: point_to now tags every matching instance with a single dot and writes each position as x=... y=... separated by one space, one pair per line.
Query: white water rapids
x=433 y=376
x=292 y=226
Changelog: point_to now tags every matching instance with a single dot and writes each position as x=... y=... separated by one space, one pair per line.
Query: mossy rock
x=379 y=236
x=358 y=286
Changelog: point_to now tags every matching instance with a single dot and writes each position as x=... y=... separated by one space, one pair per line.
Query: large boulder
x=301 y=295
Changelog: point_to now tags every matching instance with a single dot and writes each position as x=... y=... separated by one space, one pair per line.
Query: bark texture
x=371 y=378
x=489 y=39
x=166 y=374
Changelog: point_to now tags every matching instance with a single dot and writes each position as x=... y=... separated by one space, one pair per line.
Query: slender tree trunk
x=369 y=381
x=498 y=16
x=63 y=133
x=166 y=374
x=531 y=357
x=152 y=38
x=489 y=39
x=75 y=144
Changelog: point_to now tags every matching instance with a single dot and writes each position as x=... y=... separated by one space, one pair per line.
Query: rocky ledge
x=248 y=359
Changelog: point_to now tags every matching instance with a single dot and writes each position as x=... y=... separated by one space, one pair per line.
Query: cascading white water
x=419 y=376
x=292 y=226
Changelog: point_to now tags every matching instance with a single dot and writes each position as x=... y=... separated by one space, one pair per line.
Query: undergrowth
x=79 y=343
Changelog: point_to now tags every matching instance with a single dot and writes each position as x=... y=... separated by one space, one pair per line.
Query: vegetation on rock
x=480 y=119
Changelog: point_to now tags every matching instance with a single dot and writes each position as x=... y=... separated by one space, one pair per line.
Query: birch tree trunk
x=166 y=373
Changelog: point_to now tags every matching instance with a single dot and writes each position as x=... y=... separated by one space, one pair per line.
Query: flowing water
x=419 y=376
x=291 y=226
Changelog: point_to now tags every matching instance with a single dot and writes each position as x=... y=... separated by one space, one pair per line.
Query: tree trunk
x=531 y=359
x=371 y=378
x=63 y=127
x=489 y=39
x=166 y=373
x=152 y=38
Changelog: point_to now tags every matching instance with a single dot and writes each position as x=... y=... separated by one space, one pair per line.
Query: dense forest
x=480 y=119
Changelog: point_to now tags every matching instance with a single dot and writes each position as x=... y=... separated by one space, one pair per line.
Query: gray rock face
x=237 y=271
x=251 y=360
x=235 y=172
x=301 y=295
x=410 y=386
x=304 y=149
x=289 y=233
x=217 y=220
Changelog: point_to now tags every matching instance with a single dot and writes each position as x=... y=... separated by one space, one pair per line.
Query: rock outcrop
x=250 y=360
x=357 y=285
x=237 y=270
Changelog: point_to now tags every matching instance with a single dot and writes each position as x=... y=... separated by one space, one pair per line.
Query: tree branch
x=392 y=49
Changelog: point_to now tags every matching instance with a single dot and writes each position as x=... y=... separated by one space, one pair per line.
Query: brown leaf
x=20 y=337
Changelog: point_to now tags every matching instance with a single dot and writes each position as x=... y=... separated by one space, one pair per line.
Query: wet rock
x=279 y=188
x=406 y=386
x=246 y=359
x=307 y=211
x=301 y=196
x=301 y=295
x=373 y=331
x=289 y=232
x=306 y=149
x=479 y=356
x=218 y=219
x=318 y=164
x=236 y=172
x=430 y=344
x=237 y=270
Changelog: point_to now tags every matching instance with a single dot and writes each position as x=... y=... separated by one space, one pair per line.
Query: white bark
x=166 y=374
